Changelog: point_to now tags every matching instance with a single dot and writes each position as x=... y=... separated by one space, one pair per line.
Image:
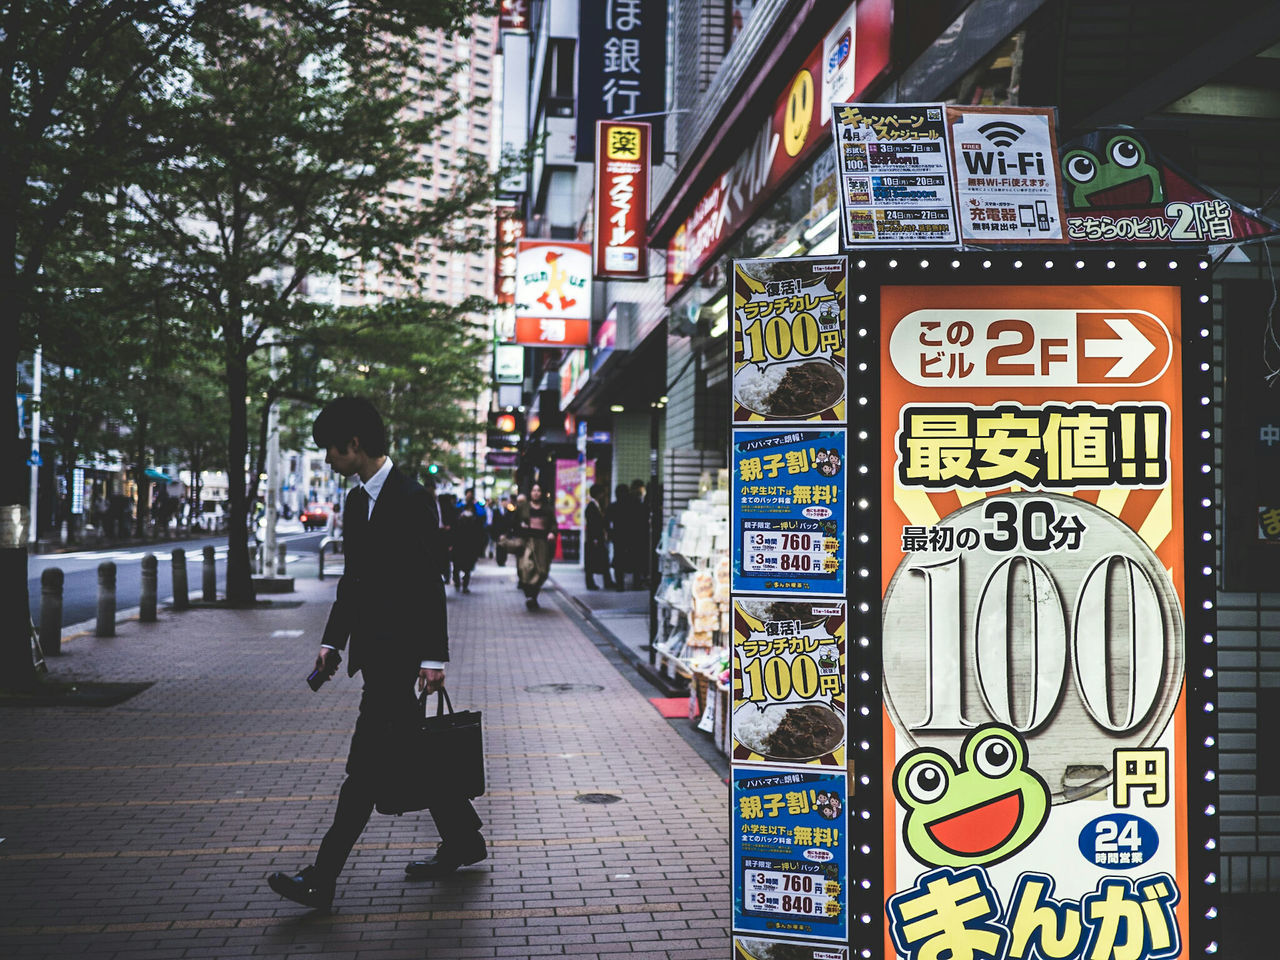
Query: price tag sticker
x=785 y=551
x=781 y=893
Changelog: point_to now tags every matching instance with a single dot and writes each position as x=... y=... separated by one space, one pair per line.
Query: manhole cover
x=596 y=798
x=564 y=688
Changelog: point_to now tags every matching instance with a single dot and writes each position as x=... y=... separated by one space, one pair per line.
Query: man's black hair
x=348 y=417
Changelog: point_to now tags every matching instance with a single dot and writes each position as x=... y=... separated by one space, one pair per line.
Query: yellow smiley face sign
x=799 y=114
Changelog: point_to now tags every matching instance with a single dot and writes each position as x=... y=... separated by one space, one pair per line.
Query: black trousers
x=387 y=708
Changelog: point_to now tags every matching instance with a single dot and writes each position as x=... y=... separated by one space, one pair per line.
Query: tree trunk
x=144 y=482
x=17 y=671
x=239 y=572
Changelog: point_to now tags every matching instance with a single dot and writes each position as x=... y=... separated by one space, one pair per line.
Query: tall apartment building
x=441 y=275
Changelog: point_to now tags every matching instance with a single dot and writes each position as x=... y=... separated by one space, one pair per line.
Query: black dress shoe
x=449 y=857
x=304 y=888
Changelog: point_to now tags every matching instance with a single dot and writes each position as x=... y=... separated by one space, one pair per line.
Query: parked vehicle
x=315 y=516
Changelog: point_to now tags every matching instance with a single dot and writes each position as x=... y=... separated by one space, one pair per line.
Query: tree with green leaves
x=92 y=101
x=280 y=188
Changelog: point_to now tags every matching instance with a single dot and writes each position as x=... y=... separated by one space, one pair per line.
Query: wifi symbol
x=1001 y=132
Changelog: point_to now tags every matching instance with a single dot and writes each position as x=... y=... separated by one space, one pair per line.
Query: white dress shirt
x=372 y=488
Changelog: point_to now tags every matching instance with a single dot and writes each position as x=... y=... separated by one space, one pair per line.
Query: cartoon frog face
x=982 y=813
x=1119 y=175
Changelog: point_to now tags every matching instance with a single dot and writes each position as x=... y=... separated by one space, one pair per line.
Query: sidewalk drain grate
x=597 y=798
x=564 y=688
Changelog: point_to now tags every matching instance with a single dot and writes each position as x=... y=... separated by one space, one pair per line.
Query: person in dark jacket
x=390 y=618
x=595 y=557
x=468 y=540
x=618 y=520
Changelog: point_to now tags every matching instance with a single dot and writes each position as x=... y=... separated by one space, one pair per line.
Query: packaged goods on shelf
x=695 y=616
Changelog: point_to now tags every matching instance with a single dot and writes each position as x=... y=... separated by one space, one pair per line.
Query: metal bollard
x=181 y=593
x=280 y=562
x=51 y=612
x=147 y=599
x=321 y=571
x=210 y=577
x=106 y=626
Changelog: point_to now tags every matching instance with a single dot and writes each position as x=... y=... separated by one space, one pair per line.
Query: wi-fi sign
x=1001 y=132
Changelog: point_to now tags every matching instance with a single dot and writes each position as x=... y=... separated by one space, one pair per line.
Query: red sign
x=794 y=132
x=552 y=332
x=1120 y=191
x=622 y=199
x=514 y=15
x=510 y=229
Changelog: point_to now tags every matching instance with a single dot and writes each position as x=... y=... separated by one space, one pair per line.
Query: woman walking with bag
x=536 y=519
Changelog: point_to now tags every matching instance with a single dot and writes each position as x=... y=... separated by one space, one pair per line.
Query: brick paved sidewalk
x=146 y=830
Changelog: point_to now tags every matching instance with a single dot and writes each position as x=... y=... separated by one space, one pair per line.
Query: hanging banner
x=510 y=229
x=553 y=293
x=788 y=682
x=622 y=67
x=789 y=322
x=1120 y=191
x=895 y=175
x=570 y=493
x=790 y=854
x=1033 y=641
x=622 y=200
x=1006 y=175
x=788 y=512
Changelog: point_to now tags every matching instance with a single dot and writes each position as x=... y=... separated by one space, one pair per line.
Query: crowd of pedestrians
x=615 y=542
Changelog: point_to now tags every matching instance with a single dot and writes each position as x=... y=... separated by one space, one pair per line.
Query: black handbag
x=446 y=762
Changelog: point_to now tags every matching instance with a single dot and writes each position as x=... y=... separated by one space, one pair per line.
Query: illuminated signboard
x=1034 y=618
x=622 y=67
x=553 y=293
x=622 y=200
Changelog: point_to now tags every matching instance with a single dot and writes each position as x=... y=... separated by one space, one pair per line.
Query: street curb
x=666 y=684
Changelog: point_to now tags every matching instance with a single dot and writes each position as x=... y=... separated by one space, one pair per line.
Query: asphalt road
x=80 y=571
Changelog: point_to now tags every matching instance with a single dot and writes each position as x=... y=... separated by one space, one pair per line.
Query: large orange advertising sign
x=1033 y=583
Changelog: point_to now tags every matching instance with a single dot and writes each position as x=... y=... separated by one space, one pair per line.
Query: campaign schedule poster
x=1033 y=622
x=789 y=331
x=790 y=854
x=788 y=511
x=895 y=175
x=789 y=698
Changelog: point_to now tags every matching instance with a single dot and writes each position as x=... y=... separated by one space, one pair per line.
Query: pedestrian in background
x=468 y=540
x=536 y=518
x=638 y=515
x=503 y=524
x=595 y=556
x=618 y=520
x=389 y=616
x=448 y=506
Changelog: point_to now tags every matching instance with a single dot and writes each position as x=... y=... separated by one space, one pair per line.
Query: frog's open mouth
x=1138 y=192
x=979 y=829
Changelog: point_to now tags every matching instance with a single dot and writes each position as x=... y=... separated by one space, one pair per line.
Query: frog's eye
x=994 y=757
x=926 y=782
x=1125 y=152
x=1081 y=167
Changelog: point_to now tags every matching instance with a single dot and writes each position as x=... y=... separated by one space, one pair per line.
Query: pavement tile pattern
x=145 y=831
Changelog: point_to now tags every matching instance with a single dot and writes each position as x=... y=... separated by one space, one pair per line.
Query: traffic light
x=433 y=468
x=506 y=427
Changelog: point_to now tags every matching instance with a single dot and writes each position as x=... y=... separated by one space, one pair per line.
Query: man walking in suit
x=389 y=615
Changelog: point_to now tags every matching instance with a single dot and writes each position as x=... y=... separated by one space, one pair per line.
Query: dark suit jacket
x=390 y=604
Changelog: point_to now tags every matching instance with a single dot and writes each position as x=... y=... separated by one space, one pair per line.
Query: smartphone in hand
x=321 y=675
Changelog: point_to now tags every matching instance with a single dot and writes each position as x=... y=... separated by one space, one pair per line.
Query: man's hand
x=431 y=680
x=322 y=658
